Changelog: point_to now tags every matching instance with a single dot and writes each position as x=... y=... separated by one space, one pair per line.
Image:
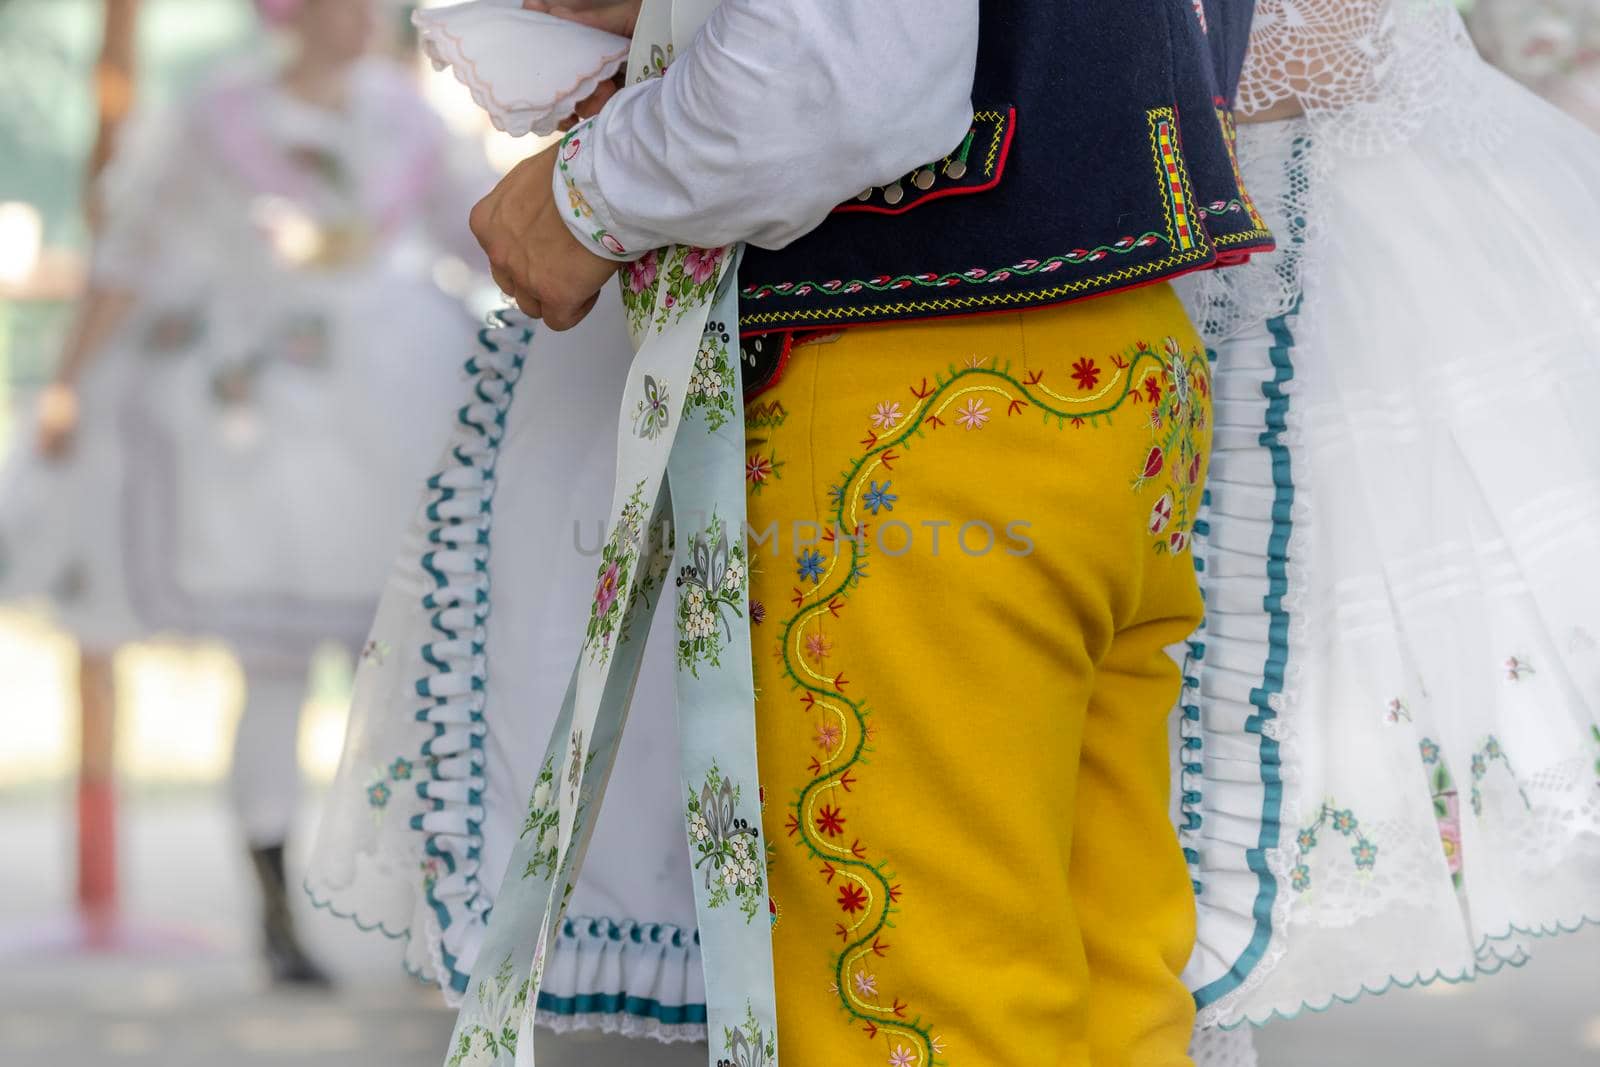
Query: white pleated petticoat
x=1395 y=695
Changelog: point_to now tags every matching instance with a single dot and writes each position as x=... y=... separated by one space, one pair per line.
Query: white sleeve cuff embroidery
x=586 y=213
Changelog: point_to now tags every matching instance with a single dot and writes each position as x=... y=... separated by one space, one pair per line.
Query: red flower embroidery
x=701 y=263
x=758 y=469
x=1194 y=470
x=1152 y=389
x=1086 y=373
x=830 y=821
x=641 y=273
x=852 y=898
x=605 y=593
x=1153 y=463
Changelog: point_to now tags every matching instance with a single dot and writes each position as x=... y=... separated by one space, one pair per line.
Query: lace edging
x=516 y=118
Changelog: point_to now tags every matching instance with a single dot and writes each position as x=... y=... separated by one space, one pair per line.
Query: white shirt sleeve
x=779 y=112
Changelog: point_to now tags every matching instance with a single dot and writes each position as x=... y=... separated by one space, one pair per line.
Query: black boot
x=286 y=960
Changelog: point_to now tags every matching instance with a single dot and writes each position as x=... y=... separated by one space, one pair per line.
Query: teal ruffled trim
x=575 y=932
x=658 y=946
x=622 y=1004
x=1274 y=672
x=460 y=510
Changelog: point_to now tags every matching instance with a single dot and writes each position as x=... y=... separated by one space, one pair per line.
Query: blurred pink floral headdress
x=279 y=11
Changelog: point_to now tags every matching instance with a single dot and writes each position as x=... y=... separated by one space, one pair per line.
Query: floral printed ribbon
x=681 y=423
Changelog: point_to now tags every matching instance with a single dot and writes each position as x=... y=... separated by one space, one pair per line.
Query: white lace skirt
x=1393 y=757
x=532 y=464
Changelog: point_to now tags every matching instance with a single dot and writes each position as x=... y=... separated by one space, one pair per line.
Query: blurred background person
x=1552 y=46
x=247 y=400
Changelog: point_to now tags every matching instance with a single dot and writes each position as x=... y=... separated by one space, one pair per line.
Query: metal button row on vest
x=924 y=179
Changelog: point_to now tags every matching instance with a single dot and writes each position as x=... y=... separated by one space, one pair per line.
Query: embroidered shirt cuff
x=586 y=212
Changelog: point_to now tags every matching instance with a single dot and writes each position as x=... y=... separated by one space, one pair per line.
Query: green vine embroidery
x=691 y=280
x=577 y=203
x=542 y=825
x=865 y=887
x=501 y=1002
x=711 y=386
x=726 y=846
x=1341 y=821
x=638 y=281
x=885 y=283
x=710 y=586
x=663 y=285
x=748 y=1045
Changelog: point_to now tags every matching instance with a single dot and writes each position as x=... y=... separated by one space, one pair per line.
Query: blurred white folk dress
x=1552 y=46
x=252 y=433
x=1392 y=762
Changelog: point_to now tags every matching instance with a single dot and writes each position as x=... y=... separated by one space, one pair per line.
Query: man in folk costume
x=976 y=423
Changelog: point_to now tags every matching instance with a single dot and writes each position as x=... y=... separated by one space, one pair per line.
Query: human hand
x=534 y=258
x=614 y=16
x=58 y=420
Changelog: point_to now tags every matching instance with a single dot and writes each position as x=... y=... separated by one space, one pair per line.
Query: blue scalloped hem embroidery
x=1557 y=929
x=1391 y=983
x=1486 y=946
x=350 y=917
x=369 y=928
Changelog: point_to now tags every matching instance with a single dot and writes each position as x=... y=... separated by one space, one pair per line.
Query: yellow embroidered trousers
x=971 y=551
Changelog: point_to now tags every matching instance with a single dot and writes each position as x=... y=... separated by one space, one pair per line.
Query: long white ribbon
x=660 y=431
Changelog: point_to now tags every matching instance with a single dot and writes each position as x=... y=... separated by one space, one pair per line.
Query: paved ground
x=202 y=1004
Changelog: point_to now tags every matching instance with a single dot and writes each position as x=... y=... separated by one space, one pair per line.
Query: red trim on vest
x=942 y=194
x=783 y=363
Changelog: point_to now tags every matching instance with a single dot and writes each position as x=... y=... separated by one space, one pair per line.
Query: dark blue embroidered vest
x=1101 y=158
